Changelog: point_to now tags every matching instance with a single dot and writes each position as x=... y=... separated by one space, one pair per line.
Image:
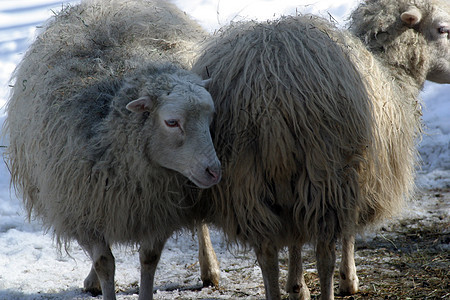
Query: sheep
x=316 y=129
x=107 y=128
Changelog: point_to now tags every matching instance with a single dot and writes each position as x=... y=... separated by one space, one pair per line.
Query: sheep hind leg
x=92 y=283
x=295 y=285
x=267 y=256
x=209 y=265
x=326 y=259
x=149 y=258
x=101 y=276
x=348 y=280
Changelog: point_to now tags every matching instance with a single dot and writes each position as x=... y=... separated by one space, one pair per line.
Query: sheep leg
x=348 y=280
x=326 y=259
x=267 y=255
x=295 y=285
x=92 y=283
x=149 y=258
x=209 y=265
x=102 y=271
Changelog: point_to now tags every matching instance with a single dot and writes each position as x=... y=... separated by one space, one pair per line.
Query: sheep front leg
x=326 y=259
x=348 y=280
x=101 y=276
x=209 y=265
x=149 y=258
x=267 y=256
x=295 y=285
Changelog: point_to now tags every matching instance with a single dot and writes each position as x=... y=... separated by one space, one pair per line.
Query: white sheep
x=316 y=132
x=106 y=126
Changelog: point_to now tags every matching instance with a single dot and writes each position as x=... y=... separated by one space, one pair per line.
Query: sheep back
x=100 y=39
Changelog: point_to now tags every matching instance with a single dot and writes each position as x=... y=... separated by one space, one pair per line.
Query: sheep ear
x=140 y=105
x=205 y=83
x=412 y=16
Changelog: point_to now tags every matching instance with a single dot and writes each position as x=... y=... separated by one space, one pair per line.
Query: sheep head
x=436 y=29
x=179 y=120
x=410 y=36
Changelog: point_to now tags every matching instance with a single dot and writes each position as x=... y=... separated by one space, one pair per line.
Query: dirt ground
x=408 y=258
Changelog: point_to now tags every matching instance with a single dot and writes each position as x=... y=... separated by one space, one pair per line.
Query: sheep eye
x=443 y=30
x=172 y=123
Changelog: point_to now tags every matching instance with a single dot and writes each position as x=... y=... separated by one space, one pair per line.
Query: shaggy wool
x=77 y=156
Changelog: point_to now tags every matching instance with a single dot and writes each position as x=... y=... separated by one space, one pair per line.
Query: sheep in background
x=316 y=133
x=106 y=126
x=409 y=43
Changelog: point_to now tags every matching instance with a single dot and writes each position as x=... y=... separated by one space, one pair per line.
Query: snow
x=31 y=267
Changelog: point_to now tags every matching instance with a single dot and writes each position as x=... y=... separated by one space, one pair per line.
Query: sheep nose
x=215 y=173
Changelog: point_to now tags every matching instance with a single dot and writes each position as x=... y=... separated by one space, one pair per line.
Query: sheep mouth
x=207 y=178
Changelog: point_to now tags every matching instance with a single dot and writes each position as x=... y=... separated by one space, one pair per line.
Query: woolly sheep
x=316 y=133
x=106 y=127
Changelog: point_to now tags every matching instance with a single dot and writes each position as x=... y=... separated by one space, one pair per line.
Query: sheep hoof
x=92 y=284
x=208 y=283
x=211 y=279
x=302 y=295
x=94 y=291
x=298 y=292
x=348 y=286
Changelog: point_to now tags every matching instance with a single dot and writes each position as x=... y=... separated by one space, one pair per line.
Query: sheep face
x=438 y=34
x=435 y=27
x=180 y=139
